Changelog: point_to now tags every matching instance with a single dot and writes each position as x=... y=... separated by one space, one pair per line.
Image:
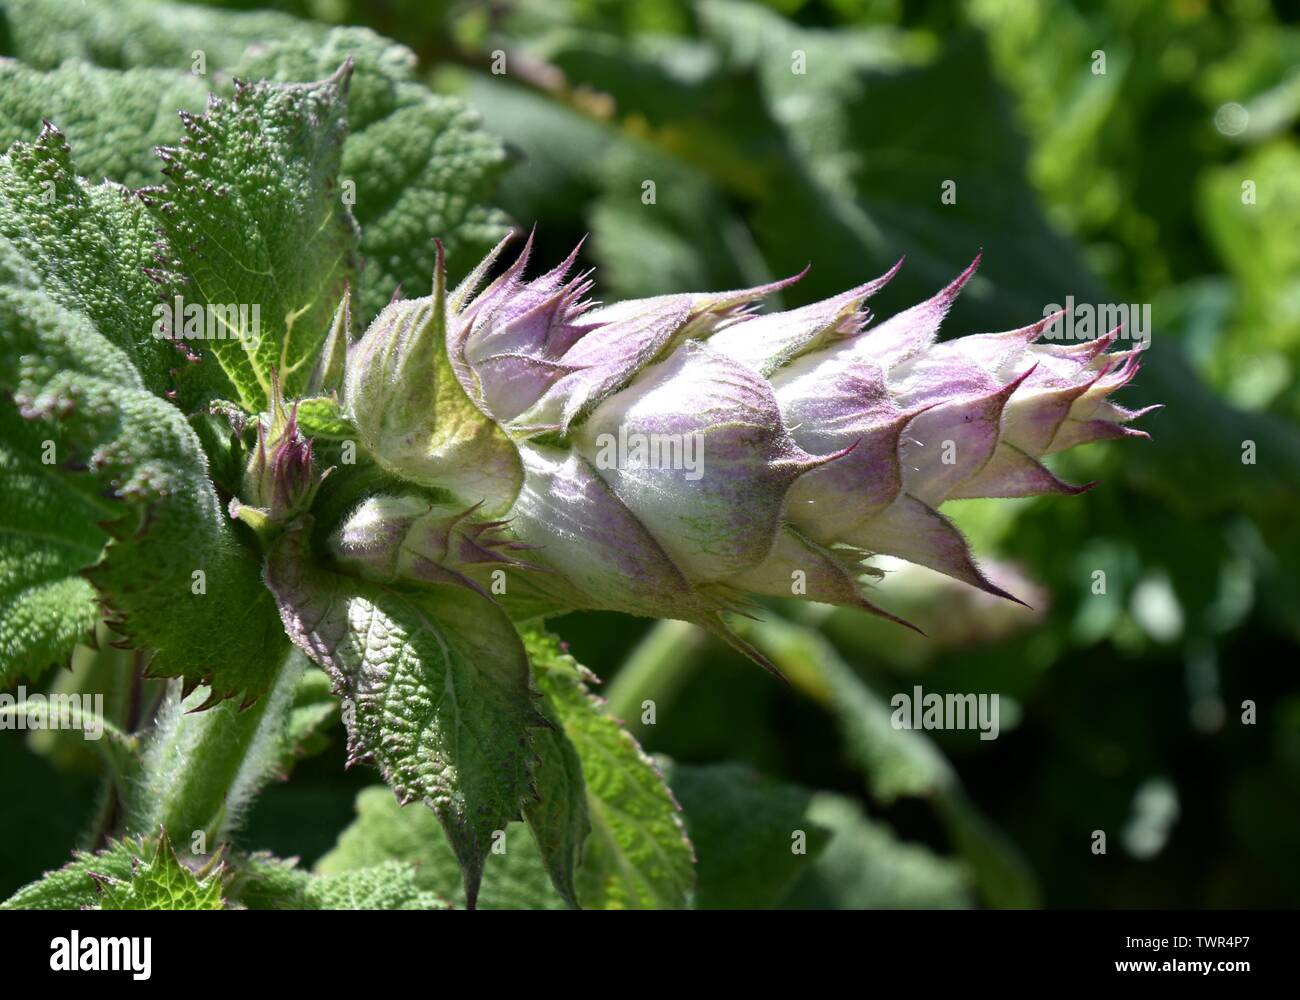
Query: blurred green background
x=1125 y=151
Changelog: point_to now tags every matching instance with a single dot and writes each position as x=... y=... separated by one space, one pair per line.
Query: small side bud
x=280 y=478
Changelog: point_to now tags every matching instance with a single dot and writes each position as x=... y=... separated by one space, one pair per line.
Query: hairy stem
x=202 y=769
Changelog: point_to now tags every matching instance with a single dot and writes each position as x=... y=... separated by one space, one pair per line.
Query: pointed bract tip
x=959 y=282
x=870 y=288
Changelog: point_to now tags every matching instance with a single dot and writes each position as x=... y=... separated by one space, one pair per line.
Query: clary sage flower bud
x=675 y=456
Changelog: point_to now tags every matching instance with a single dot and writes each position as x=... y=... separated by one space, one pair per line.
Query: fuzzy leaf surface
x=638 y=855
x=255 y=218
x=436 y=691
x=161 y=882
x=73 y=886
x=386 y=831
x=422 y=164
x=126 y=33
x=113 y=118
x=47 y=535
x=174 y=577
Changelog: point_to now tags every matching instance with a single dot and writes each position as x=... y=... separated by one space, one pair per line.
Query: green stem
x=202 y=768
x=656 y=671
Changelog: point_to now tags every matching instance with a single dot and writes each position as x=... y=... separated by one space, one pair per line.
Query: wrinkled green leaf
x=174 y=576
x=256 y=219
x=436 y=691
x=388 y=886
x=160 y=881
x=418 y=163
x=87 y=248
x=47 y=535
x=128 y=33
x=421 y=164
x=112 y=118
x=559 y=819
x=72 y=887
x=384 y=831
x=638 y=855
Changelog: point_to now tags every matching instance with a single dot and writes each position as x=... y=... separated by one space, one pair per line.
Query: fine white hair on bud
x=679 y=455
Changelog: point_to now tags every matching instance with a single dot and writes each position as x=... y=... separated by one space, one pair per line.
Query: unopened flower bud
x=391 y=538
x=412 y=413
x=280 y=477
x=676 y=456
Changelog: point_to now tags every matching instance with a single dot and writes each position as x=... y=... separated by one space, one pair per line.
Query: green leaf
x=559 y=818
x=174 y=577
x=753 y=837
x=161 y=882
x=384 y=831
x=421 y=163
x=323 y=417
x=387 y=886
x=897 y=762
x=73 y=886
x=638 y=855
x=436 y=691
x=87 y=248
x=113 y=118
x=263 y=882
x=866 y=867
x=262 y=166
x=127 y=33
x=47 y=535
x=129 y=874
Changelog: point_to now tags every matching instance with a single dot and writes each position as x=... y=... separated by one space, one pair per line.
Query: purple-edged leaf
x=631 y=336
x=601 y=555
x=832 y=403
x=950 y=442
x=798 y=566
x=768 y=342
